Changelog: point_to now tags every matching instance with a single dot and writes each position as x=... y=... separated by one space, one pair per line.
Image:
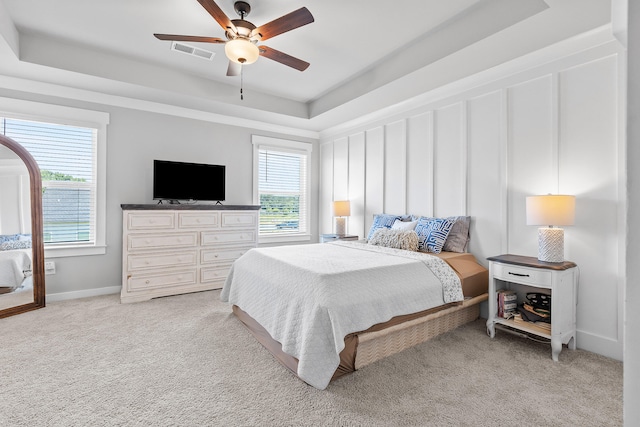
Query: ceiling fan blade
x=217 y=14
x=179 y=38
x=234 y=69
x=285 y=23
x=283 y=58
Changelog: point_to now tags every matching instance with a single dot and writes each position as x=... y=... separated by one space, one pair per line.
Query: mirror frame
x=37 y=244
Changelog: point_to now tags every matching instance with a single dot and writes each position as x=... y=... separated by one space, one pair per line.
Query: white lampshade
x=551 y=210
x=341 y=208
x=241 y=51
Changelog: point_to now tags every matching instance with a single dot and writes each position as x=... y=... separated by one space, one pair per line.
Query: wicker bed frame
x=379 y=341
x=375 y=345
x=402 y=332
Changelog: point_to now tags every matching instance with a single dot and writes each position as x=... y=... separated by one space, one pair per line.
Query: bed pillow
x=8 y=237
x=458 y=238
x=394 y=238
x=404 y=225
x=432 y=233
x=15 y=244
x=382 y=221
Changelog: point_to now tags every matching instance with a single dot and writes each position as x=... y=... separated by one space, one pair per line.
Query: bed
x=324 y=310
x=16 y=286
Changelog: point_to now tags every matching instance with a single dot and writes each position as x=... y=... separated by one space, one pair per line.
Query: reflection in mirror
x=21 y=251
x=16 y=280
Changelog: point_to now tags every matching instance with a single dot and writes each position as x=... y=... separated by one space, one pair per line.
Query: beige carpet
x=186 y=361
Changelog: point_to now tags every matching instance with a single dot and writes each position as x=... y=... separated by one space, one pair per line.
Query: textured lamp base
x=550 y=244
x=341 y=227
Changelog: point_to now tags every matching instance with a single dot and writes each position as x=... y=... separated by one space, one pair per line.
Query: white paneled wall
x=551 y=129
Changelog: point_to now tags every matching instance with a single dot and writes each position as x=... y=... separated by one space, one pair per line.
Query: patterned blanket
x=309 y=297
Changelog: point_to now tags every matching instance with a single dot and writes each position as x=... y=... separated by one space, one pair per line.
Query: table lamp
x=341 y=209
x=551 y=210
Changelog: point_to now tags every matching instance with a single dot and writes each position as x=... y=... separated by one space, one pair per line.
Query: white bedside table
x=527 y=274
x=324 y=238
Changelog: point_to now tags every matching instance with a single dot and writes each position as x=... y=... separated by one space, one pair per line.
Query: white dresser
x=175 y=249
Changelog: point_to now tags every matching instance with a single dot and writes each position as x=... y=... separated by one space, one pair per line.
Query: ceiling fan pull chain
x=241 y=82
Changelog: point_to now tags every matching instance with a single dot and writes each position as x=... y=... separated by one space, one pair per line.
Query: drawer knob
x=215 y=256
x=147 y=281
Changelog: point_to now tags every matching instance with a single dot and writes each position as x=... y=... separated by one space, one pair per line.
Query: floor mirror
x=22 y=286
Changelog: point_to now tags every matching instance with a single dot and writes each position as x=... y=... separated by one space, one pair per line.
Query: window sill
x=71 y=251
x=284 y=238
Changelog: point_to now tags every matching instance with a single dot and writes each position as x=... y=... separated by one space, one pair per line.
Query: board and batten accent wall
x=553 y=128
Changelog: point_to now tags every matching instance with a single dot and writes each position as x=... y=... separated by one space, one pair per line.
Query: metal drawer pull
x=519 y=274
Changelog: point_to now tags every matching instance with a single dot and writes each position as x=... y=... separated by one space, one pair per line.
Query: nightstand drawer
x=525 y=275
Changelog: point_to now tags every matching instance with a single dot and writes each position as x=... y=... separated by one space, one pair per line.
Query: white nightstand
x=527 y=274
x=324 y=238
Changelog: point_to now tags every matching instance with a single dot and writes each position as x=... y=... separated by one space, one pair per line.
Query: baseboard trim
x=62 y=296
x=604 y=346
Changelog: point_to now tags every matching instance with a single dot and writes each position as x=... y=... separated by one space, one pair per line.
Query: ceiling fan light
x=241 y=51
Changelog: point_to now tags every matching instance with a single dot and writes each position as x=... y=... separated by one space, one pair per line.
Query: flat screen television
x=188 y=181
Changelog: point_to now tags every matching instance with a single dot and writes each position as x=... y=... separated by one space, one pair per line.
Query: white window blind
x=66 y=156
x=283 y=191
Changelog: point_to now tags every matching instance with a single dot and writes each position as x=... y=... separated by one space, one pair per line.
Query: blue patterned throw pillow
x=382 y=221
x=432 y=233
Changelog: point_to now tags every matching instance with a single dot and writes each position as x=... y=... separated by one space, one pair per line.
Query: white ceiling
x=364 y=54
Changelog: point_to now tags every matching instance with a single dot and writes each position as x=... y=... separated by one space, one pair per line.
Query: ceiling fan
x=242 y=37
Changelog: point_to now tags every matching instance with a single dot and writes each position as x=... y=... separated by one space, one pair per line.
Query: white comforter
x=310 y=297
x=13 y=265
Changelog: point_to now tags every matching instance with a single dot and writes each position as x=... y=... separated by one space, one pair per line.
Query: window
x=67 y=152
x=281 y=188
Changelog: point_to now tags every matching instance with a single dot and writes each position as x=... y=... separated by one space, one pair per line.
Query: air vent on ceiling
x=190 y=50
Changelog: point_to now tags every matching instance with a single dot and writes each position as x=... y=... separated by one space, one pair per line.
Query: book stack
x=507 y=303
x=539 y=326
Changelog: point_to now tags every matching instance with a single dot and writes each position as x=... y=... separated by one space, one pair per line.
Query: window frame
x=70 y=116
x=286 y=146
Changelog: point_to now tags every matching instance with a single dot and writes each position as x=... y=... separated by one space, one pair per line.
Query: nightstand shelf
x=527 y=274
x=324 y=238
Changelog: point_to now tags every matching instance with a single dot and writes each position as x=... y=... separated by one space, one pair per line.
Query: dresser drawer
x=524 y=275
x=162 y=241
x=180 y=259
x=238 y=219
x=227 y=237
x=210 y=256
x=148 y=282
x=150 y=221
x=218 y=274
x=198 y=220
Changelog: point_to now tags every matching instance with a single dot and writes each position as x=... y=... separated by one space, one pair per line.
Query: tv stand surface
x=176 y=249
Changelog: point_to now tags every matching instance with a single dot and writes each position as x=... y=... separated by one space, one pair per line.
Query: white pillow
x=404 y=225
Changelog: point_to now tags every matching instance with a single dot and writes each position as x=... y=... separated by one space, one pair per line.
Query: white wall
x=553 y=128
x=134 y=139
x=632 y=320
